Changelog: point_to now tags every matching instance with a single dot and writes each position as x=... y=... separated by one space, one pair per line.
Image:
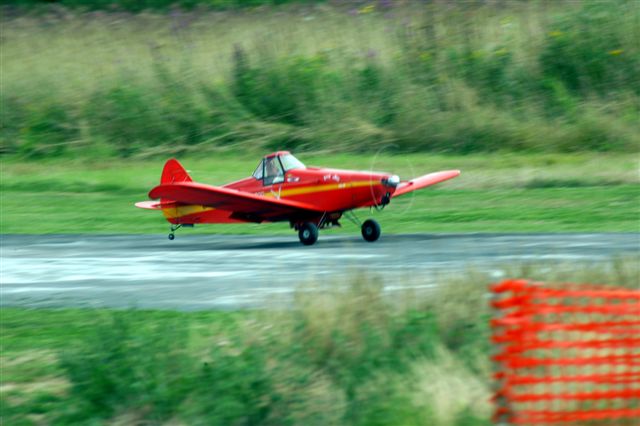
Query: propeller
x=406 y=169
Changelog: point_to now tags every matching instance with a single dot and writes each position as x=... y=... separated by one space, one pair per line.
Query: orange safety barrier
x=566 y=354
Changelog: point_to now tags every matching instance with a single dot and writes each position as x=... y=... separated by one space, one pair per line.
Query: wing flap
x=229 y=199
x=424 y=181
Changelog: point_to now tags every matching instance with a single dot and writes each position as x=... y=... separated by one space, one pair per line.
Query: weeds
x=160 y=5
x=129 y=363
x=342 y=355
x=458 y=79
x=346 y=355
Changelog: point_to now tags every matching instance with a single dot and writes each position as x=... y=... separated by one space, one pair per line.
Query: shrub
x=124 y=116
x=585 y=49
x=461 y=79
x=283 y=90
x=42 y=129
x=129 y=363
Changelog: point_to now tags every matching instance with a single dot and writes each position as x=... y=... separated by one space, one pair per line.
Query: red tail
x=173 y=172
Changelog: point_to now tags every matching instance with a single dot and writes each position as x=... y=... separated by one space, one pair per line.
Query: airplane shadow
x=227 y=243
x=213 y=242
x=221 y=242
x=276 y=244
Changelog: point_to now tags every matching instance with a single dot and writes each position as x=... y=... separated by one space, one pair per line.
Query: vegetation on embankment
x=585 y=192
x=152 y=5
x=437 y=76
x=353 y=354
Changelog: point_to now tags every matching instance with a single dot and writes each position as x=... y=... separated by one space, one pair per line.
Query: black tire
x=308 y=233
x=171 y=236
x=370 y=230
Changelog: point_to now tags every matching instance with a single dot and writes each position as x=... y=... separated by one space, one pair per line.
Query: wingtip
x=148 y=205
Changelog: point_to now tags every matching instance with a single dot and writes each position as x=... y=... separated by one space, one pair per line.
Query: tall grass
x=348 y=353
x=161 y=5
x=442 y=77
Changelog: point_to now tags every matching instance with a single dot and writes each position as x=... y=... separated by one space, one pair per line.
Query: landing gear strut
x=370 y=230
x=174 y=228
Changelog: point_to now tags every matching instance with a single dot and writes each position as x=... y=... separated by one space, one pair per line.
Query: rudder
x=173 y=172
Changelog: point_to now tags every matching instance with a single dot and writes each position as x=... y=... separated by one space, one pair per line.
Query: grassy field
x=495 y=193
x=344 y=76
x=342 y=355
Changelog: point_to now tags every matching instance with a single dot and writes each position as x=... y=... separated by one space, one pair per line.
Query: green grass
x=495 y=193
x=456 y=77
x=343 y=354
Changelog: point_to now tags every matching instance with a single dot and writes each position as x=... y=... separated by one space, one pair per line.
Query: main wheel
x=370 y=230
x=308 y=233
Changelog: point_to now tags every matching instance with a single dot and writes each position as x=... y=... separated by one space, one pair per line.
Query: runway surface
x=222 y=271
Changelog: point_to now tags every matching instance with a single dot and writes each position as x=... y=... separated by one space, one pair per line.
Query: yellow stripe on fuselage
x=180 y=211
x=318 y=188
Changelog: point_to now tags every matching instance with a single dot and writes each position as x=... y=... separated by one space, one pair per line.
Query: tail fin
x=173 y=172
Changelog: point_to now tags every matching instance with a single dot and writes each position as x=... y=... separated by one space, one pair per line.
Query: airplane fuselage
x=331 y=190
x=281 y=189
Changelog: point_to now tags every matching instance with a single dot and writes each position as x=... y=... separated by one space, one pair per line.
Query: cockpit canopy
x=273 y=167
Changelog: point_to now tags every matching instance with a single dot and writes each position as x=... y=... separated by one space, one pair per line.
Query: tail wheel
x=308 y=233
x=370 y=230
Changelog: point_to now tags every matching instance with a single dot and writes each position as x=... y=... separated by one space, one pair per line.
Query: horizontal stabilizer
x=155 y=205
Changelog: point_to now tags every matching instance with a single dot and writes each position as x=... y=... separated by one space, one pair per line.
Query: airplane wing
x=424 y=181
x=239 y=202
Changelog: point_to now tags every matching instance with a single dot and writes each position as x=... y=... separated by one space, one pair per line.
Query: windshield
x=290 y=162
x=259 y=171
x=272 y=168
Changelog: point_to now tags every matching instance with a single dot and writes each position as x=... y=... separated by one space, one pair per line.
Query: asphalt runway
x=228 y=272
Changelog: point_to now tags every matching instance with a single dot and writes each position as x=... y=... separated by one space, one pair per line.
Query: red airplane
x=282 y=189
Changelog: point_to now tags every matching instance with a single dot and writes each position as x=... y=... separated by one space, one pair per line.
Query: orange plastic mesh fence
x=566 y=354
